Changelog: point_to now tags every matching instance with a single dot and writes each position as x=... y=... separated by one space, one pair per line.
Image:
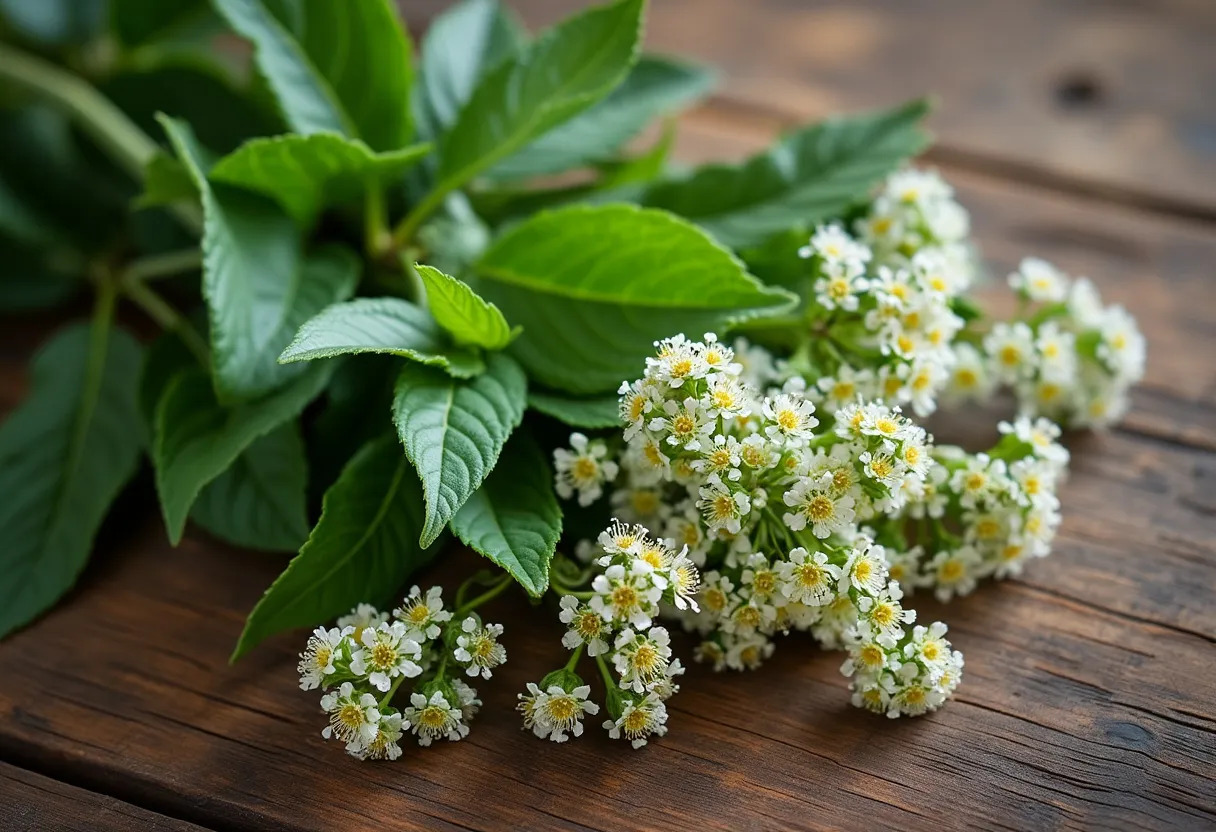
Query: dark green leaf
x=358 y=406
x=259 y=288
x=814 y=174
x=363 y=548
x=594 y=288
x=259 y=502
x=65 y=453
x=454 y=430
x=381 y=325
x=562 y=73
x=138 y=21
x=55 y=22
x=578 y=411
x=463 y=313
x=166 y=181
x=305 y=174
x=197 y=438
x=655 y=86
x=514 y=519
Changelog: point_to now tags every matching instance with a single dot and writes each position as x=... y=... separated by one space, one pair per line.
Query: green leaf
x=166 y=181
x=562 y=73
x=258 y=286
x=813 y=174
x=578 y=411
x=136 y=22
x=462 y=312
x=362 y=549
x=259 y=502
x=55 y=22
x=594 y=288
x=198 y=438
x=305 y=174
x=65 y=453
x=381 y=325
x=454 y=430
x=514 y=519
x=654 y=87
x=347 y=72
x=461 y=46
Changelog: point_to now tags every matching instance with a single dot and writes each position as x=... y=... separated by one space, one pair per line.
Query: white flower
x=467 y=697
x=748 y=651
x=883 y=617
x=686 y=424
x=434 y=718
x=721 y=458
x=832 y=244
x=386 y=653
x=352 y=717
x=815 y=504
x=423 y=614
x=585 y=468
x=678 y=361
x=478 y=649
x=556 y=712
x=969 y=377
x=639 y=720
x=726 y=397
x=718 y=357
x=383 y=746
x=317 y=660
x=586 y=626
x=1039 y=281
x=869 y=658
x=722 y=508
x=929 y=646
x=789 y=418
x=638 y=400
x=808 y=578
x=865 y=570
x=1010 y=347
x=845 y=387
x=641 y=658
x=628 y=597
x=953 y=572
x=1122 y=346
x=362 y=616
x=839 y=287
x=684 y=580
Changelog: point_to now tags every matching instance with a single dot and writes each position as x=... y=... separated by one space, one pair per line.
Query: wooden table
x=1082 y=132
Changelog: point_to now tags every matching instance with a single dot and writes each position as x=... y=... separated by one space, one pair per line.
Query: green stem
x=562 y=589
x=388 y=697
x=156 y=266
x=405 y=230
x=574 y=657
x=167 y=317
x=605 y=672
x=109 y=126
x=493 y=592
x=375 y=225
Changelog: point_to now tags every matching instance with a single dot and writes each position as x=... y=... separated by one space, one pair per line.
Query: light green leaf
x=348 y=72
x=259 y=502
x=461 y=46
x=198 y=438
x=655 y=86
x=813 y=174
x=454 y=430
x=258 y=286
x=462 y=312
x=65 y=453
x=514 y=519
x=594 y=288
x=578 y=411
x=305 y=174
x=381 y=325
x=562 y=73
x=362 y=549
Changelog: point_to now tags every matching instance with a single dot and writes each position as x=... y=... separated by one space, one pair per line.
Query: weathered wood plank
x=1110 y=95
x=33 y=803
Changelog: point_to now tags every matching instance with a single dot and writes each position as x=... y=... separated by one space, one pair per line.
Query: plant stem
x=605 y=672
x=388 y=697
x=376 y=238
x=109 y=126
x=156 y=266
x=405 y=230
x=578 y=654
x=493 y=592
x=159 y=310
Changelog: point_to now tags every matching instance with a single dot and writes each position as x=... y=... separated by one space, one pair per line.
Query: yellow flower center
x=810 y=575
x=723 y=507
x=887 y=427
x=681 y=367
x=844 y=390
x=589 y=625
x=323 y=655
x=863 y=570
x=636 y=721
x=764 y=582
x=872 y=655
x=683 y=425
x=1010 y=355
x=562 y=708
x=646 y=659
x=383 y=655
x=645 y=503
x=714 y=599
x=433 y=717
x=931 y=651
x=975 y=481
x=911 y=454
x=788 y=419
x=883 y=615
x=966 y=378
x=351 y=716
x=637 y=408
x=820 y=508
x=951 y=570
x=748 y=616
x=624 y=597
x=724 y=399
x=585 y=468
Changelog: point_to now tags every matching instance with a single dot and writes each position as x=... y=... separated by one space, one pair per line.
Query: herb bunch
x=387 y=281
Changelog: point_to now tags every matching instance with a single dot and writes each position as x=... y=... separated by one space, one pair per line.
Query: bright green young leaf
x=65 y=453
x=136 y=22
x=462 y=312
x=259 y=502
x=813 y=174
x=258 y=286
x=454 y=430
x=654 y=87
x=363 y=548
x=304 y=174
x=514 y=519
x=461 y=46
x=594 y=288
x=346 y=69
x=198 y=438
x=562 y=73
x=578 y=411
x=381 y=325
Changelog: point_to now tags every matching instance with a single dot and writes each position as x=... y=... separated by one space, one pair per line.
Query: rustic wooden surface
x=1089 y=699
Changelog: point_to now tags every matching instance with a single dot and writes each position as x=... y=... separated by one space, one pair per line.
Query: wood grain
x=1106 y=95
x=33 y=803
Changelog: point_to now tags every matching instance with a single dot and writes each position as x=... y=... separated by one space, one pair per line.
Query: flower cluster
x=1067 y=357
x=769 y=501
x=363 y=662
x=614 y=623
x=883 y=301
